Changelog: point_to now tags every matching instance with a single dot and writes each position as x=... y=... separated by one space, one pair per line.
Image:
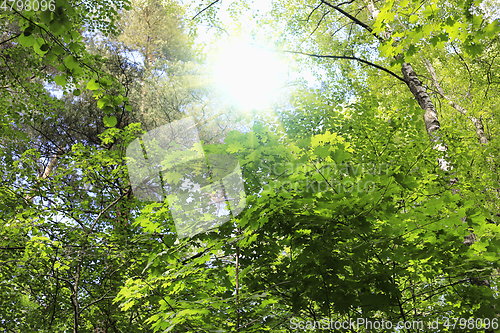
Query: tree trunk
x=46 y=172
x=417 y=89
x=432 y=125
x=478 y=123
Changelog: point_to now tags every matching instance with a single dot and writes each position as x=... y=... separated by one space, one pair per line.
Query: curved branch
x=309 y=16
x=350 y=58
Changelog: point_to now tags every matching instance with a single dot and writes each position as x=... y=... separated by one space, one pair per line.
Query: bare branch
x=354 y=19
x=309 y=16
x=201 y=11
x=467 y=68
x=11 y=38
x=319 y=22
x=345 y=3
x=434 y=79
x=106 y=209
x=96 y=301
x=350 y=58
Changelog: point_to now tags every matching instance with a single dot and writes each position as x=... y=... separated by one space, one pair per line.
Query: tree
x=384 y=241
x=356 y=205
x=69 y=238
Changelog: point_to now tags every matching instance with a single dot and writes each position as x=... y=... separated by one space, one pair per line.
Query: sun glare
x=248 y=74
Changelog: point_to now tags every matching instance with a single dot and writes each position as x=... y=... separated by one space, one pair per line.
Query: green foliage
x=326 y=221
x=414 y=27
x=348 y=213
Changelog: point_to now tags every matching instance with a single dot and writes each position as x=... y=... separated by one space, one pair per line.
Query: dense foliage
x=372 y=195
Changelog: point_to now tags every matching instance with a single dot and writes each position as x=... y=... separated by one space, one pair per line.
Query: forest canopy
x=298 y=166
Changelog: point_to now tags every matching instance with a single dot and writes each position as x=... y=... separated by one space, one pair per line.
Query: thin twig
x=213 y=3
x=14 y=37
x=354 y=19
x=106 y=209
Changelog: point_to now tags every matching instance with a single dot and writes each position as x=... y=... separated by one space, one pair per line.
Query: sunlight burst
x=248 y=74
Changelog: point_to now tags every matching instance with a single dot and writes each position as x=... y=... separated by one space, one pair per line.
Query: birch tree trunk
x=47 y=171
x=432 y=124
x=418 y=91
x=477 y=122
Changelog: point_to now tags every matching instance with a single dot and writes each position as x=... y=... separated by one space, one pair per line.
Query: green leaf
x=108 y=109
x=77 y=92
x=75 y=47
x=46 y=16
x=117 y=100
x=56 y=27
x=29 y=14
x=39 y=42
x=50 y=58
x=492 y=29
x=322 y=152
x=110 y=121
x=434 y=40
x=26 y=41
x=57 y=49
x=92 y=85
x=71 y=62
x=473 y=49
x=476 y=21
x=78 y=71
x=75 y=34
x=101 y=103
x=104 y=81
x=60 y=80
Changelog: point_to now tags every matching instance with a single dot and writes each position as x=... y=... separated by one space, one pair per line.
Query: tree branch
x=197 y=255
x=350 y=58
x=96 y=301
x=309 y=16
x=354 y=19
x=201 y=11
x=11 y=38
x=106 y=209
x=477 y=122
x=345 y=3
x=319 y=22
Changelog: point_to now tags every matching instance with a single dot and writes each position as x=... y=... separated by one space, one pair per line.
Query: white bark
x=432 y=126
x=477 y=122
